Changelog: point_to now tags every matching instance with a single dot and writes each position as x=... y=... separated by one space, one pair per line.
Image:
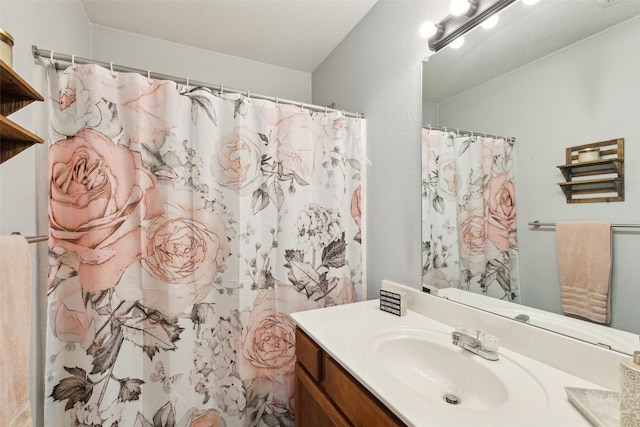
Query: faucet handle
x=489 y=342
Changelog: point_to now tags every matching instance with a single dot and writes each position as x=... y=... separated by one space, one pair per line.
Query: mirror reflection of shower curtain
x=469 y=214
x=185 y=226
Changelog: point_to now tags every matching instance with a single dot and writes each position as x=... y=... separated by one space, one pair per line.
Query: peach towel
x=15 y=331
x=584 y=264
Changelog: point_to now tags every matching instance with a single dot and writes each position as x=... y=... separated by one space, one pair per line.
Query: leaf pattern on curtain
x=469 y=214
x=185 y=227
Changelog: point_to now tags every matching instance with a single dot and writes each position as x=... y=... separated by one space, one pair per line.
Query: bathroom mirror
x=552 y=75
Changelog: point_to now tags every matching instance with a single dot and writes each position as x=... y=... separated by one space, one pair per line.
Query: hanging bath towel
x=15 y=324
x=584 y=264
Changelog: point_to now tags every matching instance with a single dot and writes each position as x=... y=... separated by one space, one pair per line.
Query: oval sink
x=427 y=363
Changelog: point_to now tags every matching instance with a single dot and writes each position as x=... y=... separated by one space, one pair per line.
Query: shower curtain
x=185 y=226
x=469 y=214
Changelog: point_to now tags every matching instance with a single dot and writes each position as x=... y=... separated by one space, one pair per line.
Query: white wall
x=586 y=93
x=180 y=60
x=23 y=179
x=377 y=70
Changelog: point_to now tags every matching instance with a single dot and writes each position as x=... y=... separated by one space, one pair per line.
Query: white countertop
x=344 y=333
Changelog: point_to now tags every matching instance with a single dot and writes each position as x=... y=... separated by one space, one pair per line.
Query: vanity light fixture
x=465 y=15
x=491 y=22
x=430 y=29
x=457 y=43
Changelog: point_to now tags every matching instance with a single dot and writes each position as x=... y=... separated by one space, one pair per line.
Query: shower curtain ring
x=302 y=105
x=325 y=110
x=111 y=68
x=248 y=96
x=221 y=90
x=277 y=102
x=187 y=83
x=52 y=56
x=149 y=77
x=445 y=129
x=429 y=127
x=73 y=62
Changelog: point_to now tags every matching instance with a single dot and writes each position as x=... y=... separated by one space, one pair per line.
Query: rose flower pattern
x=470 y=214
x=185 y=226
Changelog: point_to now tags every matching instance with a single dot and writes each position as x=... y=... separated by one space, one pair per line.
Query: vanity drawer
x=308 y=354
x=358 y=404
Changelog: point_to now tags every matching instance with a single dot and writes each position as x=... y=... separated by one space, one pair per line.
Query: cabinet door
x=313 y=409
x=358 y=405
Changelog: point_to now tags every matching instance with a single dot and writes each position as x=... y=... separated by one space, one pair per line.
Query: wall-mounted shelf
x=606 y=175
x=15 y=93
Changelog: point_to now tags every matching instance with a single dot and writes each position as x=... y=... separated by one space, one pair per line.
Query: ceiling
x=296 y=34
x=524 y=34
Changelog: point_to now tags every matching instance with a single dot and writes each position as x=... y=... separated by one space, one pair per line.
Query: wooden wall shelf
x=607 y=173
x=15 y=93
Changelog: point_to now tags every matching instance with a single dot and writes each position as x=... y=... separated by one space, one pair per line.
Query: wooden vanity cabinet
x=327 y=395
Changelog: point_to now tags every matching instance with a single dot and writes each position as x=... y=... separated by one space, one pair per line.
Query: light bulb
x=491 y=22
x=530 y=2
x=457 y=43
x=459 y=7
x=428 y=29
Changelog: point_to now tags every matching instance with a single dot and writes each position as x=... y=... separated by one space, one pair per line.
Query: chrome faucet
x=485 y=346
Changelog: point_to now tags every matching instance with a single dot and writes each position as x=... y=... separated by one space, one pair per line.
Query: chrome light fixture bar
x=452 y=27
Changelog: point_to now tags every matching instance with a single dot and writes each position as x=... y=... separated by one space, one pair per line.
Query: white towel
x=15 y=330
x=584 y=264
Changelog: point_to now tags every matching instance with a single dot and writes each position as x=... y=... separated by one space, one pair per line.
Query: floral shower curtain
x=469 y=214
x=185 y=226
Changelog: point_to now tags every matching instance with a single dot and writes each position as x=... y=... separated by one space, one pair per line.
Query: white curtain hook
x=52 y=55
x=325 y=110
x=221 y=90
x=445 y=129
x=471 y=134
x=187 y=84
x=344 y=115
x=302 y=105
x=249 y=95
x=149 y=77
x=458 y=132
x=429 y=127
x=73 y=61
x=111 y=68
x=277 y=102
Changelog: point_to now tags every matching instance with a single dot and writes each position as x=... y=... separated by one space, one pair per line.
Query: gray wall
x=377 y=70
x=198 y=64
x=585 y=93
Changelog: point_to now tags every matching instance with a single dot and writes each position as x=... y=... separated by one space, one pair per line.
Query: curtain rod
x=537 y=224
x=32 y=239
x=78 y=60
x=462 y=132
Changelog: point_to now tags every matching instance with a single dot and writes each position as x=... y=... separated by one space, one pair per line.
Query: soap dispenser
x=630 y=391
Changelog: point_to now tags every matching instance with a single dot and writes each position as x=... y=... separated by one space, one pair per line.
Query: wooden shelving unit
x=607 y=174
x=15 y=93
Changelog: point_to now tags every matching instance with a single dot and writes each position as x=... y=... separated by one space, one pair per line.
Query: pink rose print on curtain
x=143 y=110
x=501 y=206
x=472 y=238
x=100 y=193
x=294 y=142
x=184 y=254
x=267 y=345
x=237 y=163
x=70 y=317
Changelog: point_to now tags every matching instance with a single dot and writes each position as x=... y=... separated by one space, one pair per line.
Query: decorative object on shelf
x=6 y=47
x=599 y=169
x=588 y=155
x=15 y=93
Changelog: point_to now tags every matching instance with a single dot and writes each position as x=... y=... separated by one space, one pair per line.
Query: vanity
x=358 y=365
